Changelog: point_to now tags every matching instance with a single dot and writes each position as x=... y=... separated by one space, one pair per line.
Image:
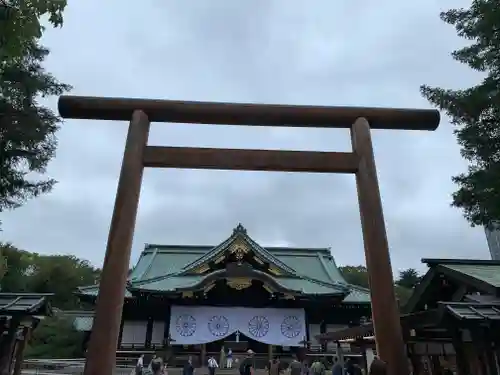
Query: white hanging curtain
x=191 y=325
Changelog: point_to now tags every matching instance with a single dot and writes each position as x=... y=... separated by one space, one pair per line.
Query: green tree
x=402 y=294
x=62 y=275
x=476 y=111
x=408 y=278
x=356 y=275
x=58 y=274
x=55 y=337
x=27 y=129
x=20 y=23
x=17 y=265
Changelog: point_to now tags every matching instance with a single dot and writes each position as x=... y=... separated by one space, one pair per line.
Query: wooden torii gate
x=103 y=343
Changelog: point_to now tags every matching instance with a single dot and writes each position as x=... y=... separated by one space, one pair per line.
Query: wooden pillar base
x=7 y=345
x=203 y=355
x=21 y=345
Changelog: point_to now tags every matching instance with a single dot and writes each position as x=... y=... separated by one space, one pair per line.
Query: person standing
x=150 y=362
x=188 y=367
x=246 y=365
x=378 y=367
x=349 y=367
x=222 y=357
x=295 y=367
x=212 y=365
x=157 y=367
x=139 y=366
x=274 y=367
x=229 y=358
x=337 y=367
x=317 y=368
x=305 y=368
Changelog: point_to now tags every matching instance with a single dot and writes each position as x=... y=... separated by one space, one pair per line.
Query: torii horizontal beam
x=250 y=160
x=121 y=109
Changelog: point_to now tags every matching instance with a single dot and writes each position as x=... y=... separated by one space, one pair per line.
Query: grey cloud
x=329 y=53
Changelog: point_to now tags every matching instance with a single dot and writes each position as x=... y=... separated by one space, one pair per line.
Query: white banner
x=191 y=325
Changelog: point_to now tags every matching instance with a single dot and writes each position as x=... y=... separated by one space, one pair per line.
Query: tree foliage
x=408 y=278
x=476 y=111
x=20 y=23
x=356 y=275
x=55 y=337
x=23 y=271
x=27 y=128
x=403 y=287
x=35 y=273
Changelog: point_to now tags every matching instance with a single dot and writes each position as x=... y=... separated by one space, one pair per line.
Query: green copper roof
x=488 y=273
x=157 y=261
x=476 y=275
x=358 y=295
x=308 y=271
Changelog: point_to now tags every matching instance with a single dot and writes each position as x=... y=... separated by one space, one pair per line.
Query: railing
x=68 y=366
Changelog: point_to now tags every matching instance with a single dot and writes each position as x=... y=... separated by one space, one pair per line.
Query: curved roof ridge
x=181 y=274
x=358 y=287
x=338 y=288
x=335 y=284
x=156 y=278
x=264 y=250
x=458 y=261
x=304 y=249
x=210 y=253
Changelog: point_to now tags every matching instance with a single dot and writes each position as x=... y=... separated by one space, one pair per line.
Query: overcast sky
x=350 y=52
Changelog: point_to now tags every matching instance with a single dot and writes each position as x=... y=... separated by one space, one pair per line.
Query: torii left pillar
x=105 y=332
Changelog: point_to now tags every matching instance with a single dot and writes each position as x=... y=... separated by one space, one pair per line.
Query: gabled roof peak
x=238 y=237
x=240 y=229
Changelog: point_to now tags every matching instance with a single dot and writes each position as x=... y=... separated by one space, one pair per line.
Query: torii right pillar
x=385 y=313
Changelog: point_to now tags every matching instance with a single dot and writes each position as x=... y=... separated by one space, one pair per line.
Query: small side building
x=20 y=314
x=452 y=320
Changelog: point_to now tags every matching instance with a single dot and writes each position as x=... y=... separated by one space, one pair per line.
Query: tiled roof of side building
x=485 y=270
x=25 y=303
x=478 y=275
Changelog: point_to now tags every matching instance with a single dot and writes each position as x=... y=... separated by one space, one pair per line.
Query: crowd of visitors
x=246 y=366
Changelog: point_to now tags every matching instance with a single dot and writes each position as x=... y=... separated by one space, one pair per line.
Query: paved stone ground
x=77 y=370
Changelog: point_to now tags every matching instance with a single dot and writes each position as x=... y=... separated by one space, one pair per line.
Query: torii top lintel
x=121 y=109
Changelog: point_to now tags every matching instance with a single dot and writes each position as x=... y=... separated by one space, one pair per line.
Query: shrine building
x=238 y=294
